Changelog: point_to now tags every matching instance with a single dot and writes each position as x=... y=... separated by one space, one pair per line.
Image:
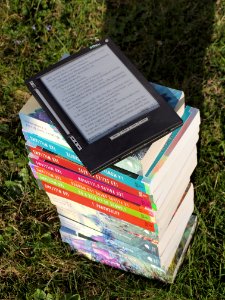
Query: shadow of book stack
x=136 y=215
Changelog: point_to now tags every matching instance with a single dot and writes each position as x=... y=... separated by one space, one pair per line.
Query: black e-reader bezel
x=122 y=141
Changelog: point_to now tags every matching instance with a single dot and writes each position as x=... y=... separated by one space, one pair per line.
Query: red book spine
x=87 y=188
x=97 y=206
x=97 y=185
x=143 y=198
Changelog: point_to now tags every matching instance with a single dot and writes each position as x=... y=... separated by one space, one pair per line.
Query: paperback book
x=117 y=259
x=160 y=258
x=173 y=149
x=124 y=208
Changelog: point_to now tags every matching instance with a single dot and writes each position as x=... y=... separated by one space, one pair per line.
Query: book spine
x=135 y=210
x=38 y=127
x=142 y=203
x=109 y=238
x=126 y=214
x=102 y=222
x=121 y=249
x=108 y=176
x=116 y=258
x=92 y=203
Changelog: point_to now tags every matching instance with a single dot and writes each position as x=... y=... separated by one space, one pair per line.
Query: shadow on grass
x=165 y=39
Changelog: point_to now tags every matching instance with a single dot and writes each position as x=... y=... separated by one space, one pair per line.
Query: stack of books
x=135 y=215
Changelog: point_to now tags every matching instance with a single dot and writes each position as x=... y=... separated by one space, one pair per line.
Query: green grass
x=176 y=43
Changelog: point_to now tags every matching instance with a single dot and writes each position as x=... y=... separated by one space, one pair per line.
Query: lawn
x=180 y=44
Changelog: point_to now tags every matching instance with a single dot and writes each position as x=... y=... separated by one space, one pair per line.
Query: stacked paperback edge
x=136 y=215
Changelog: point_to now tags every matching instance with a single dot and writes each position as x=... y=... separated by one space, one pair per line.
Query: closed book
x=159 y=258
x=176 y=147
x=96 y=252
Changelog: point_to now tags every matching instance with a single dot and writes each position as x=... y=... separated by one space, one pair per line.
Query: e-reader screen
x=98 y=93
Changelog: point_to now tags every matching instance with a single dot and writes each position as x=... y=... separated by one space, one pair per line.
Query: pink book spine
x=91 y=182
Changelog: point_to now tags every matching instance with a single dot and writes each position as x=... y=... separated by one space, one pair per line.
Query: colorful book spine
x=130 y=184
x=96 y=202
x=117 y=259
x=110 y=237
x=72 y=234
x=73 y=215
x=43 y=126
x=130 y=208
x=106 y=216
x=90 y=181
x=104 y=223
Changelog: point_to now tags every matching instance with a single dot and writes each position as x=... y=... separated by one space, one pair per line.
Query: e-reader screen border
x=86 y=149
x=120 y=120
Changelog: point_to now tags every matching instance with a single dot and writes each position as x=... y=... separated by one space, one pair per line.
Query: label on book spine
x=88 y=194
x=111 y=177
x=61 y=191
x=91 y=182
x=125 y=206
